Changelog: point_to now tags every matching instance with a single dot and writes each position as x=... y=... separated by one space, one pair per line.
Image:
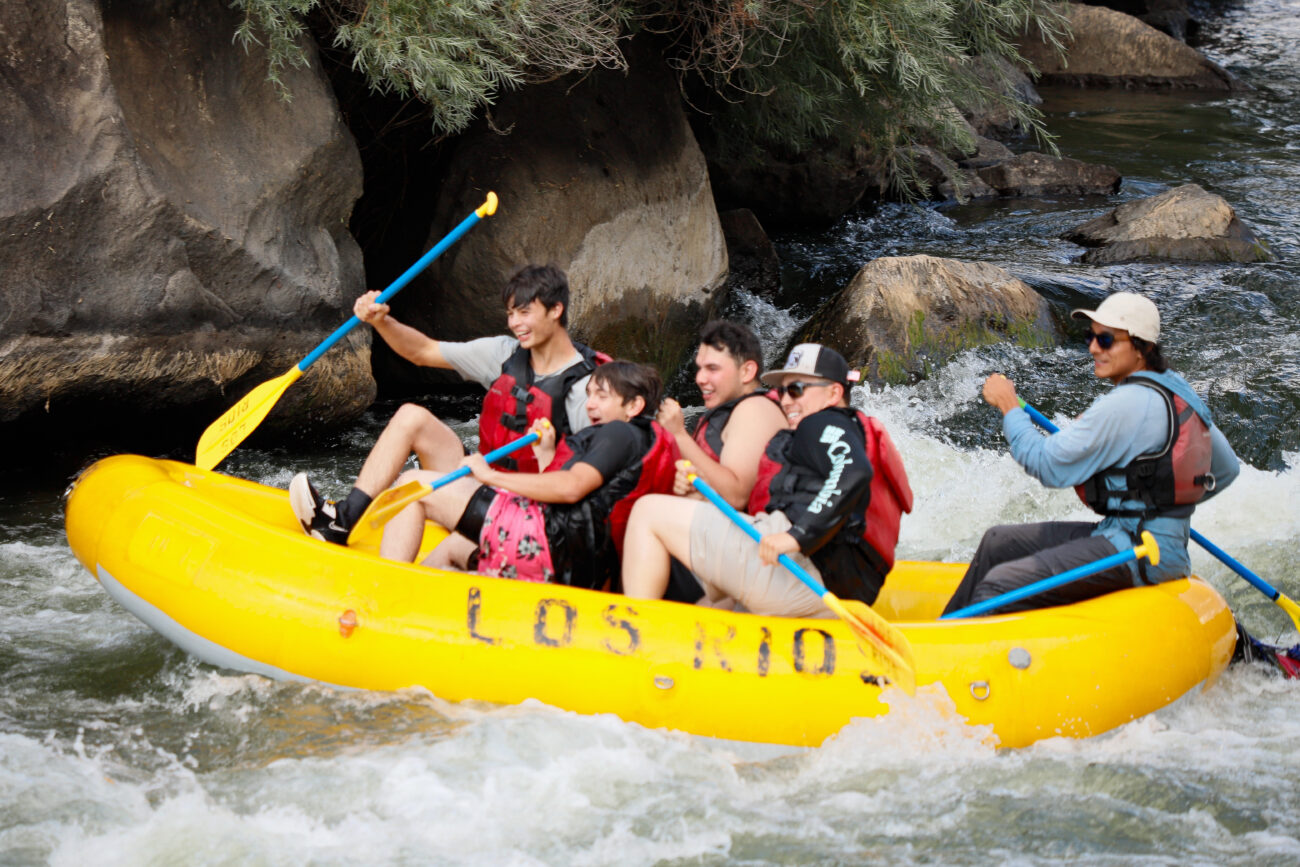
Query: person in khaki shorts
x=814 y=485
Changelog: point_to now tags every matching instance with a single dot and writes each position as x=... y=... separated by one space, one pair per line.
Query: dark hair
x=733 y=338
x=629 y=380
x=544 y=283
x=1150 y=352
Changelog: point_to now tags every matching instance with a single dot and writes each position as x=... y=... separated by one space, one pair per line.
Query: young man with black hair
x=830 y=492
x=739 y=419
x=564 y=525
x=536 y=372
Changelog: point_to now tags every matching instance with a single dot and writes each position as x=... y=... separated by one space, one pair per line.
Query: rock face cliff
x=173 y=231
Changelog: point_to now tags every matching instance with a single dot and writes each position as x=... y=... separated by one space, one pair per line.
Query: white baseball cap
x=1126 y=311
x=814 y=360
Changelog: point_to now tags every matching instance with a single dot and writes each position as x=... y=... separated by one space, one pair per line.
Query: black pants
x=1013 y=555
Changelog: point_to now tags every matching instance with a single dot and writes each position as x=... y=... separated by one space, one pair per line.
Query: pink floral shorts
x=512 y=543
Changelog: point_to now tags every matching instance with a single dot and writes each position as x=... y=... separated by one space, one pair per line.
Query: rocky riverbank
x=176 y=232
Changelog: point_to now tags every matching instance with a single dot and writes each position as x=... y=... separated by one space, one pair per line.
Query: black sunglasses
x=796 y=389
x=1105 y=340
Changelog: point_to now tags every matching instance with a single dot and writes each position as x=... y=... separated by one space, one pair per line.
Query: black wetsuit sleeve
x=830 y=448
x=608 y=448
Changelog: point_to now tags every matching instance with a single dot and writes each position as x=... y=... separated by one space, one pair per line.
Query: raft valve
x=347 y=623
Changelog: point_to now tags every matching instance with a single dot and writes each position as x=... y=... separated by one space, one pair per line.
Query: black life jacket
x=516 y=400
x=891 y=494
x=709 y=427
x=1169 y=481
x=585 y=530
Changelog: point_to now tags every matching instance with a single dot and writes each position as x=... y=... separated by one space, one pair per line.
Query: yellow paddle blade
x=240 y=420
x=385 y=507
x=883 y=643
x=1287 y=604
x=489 y=206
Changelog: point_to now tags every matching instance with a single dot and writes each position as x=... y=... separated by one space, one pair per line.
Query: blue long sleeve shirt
x=1120 y=426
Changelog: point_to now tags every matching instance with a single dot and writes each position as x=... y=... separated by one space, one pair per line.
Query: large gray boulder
x=175 y=232
x=1110 y=49
x=601 y=176
x=1185 y=223
x=901 y=315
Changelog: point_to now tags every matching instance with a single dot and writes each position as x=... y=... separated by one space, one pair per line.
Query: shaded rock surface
x=1168 y=16
x=1111 y=49
x=174 y=232
x=796 y=190
x=1184 y=223
x=1035 y=174
x=601 y=176
x=900 y=315
x=754 y=263
x=992 y=118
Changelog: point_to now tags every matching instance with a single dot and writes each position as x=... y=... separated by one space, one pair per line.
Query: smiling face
x=534 y=323
x=1117 y=362
x=605 y=404
x=815 y=396
x=720 y=377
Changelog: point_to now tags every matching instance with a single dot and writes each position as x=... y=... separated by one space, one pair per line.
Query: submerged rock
x=1110 y=49
x=901 y=315
x=175 y=232
x=1185 y=223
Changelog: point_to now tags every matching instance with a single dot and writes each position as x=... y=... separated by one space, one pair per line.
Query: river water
x=116 y=748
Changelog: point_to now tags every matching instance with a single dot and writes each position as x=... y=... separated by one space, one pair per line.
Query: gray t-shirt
x=480 y=361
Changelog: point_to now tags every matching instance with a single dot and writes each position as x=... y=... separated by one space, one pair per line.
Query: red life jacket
x=709 y=427
x=891 y=495
x=1169 y=481
x=658 y=469
x=515 y=401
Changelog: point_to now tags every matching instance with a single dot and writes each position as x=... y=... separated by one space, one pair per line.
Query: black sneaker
x=318 y=516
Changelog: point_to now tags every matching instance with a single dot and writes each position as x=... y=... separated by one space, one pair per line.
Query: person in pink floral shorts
x=562 y=526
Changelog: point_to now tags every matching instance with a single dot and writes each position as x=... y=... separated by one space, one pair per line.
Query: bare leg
x=451 y=553
x=659 y=527
x=403 y=534
x=411 y=429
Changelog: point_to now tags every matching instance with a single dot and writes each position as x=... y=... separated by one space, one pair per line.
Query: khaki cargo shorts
x=725 y=560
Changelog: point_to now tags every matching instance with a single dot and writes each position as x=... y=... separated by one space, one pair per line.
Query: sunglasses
x=1105 y=340
x=796 y=389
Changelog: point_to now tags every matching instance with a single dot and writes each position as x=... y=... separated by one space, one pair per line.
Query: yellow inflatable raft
x=219 y=566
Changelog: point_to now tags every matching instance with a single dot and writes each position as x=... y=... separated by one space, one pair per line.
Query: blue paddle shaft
x=393 y=288
x=750 y=530
x=491 y=457
x=1224 y=557
x=1040 y=586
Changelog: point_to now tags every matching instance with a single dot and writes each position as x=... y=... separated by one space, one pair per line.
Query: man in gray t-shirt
x=481 y=360
x=536 y=299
